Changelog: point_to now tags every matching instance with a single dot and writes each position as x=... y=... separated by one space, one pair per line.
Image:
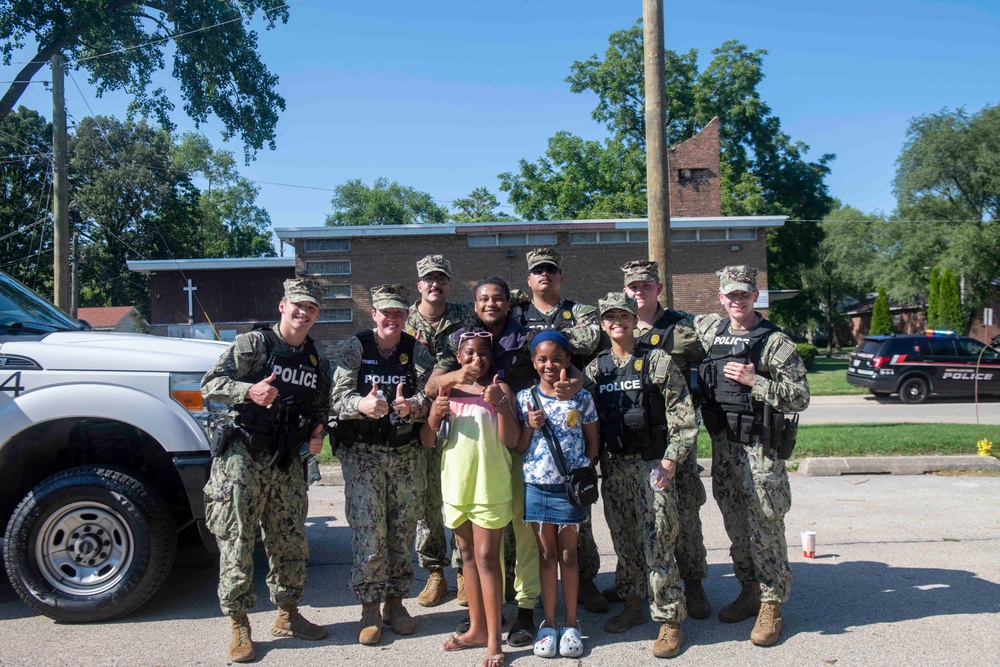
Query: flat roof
x=432 y=229
x=210 y=263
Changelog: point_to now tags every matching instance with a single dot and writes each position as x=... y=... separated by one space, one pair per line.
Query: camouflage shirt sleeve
x=321 y=399
x=705 y=326
x=344 y=396
x=586 y=333
x=684 y=344
x=243 y=358
x=590 y=378
x=682 y=423
x=787 y=389
x=423 y=364
x=446 y=360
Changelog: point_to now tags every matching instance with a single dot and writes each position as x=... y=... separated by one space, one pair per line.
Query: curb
x=895 y=465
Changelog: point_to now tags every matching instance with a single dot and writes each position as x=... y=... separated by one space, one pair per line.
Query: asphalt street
x=867 y=409
x=906 y=573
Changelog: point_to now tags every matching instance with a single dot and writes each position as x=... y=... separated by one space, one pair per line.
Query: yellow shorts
x=491 y=517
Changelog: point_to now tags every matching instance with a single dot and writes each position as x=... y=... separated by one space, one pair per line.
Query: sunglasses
x=475 y=334
x=544 y=268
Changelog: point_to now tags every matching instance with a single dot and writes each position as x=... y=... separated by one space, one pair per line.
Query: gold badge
x=637 y=365
x=404 y=358
x=314 y=360
x=567 y=315
x=655 y=339
x=572 y=418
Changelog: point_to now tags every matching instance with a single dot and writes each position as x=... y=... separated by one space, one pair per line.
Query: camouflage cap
x=641 y=269
x=390 y=296
x=298 y=290
x=432 y=263
x=540 y=256
x=737 y=278
x=617 y=301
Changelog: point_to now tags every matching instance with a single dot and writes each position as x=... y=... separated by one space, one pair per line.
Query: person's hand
x=316 y=440
x=401 y=406
x=536 y=419
x=665 y=471
x=440 y=408
x=742 y=373
x=468 y=374
x=493 y=393
x=262 y=393
x=373 y=406
x=566 y=389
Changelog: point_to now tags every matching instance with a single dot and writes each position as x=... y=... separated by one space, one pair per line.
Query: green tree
x=934 y=299
x=881 y=319
x=479 y=206
x=950 y=315
x=384 y=203
x=122 y=43
x=232 y=223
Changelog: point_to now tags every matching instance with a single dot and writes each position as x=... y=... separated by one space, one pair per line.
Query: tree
x=934 y=299
x=122 y=43
x=950 y=309
x=479 y=206
x=881 y=319
x=232 y=223
x=384 y=203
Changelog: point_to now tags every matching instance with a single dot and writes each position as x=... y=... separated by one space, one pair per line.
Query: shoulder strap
x=549 y=435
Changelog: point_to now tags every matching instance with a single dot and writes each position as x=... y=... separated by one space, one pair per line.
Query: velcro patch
x=784 y=352
x=245 y=344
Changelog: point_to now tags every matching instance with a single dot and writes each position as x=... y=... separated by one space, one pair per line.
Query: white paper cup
x=808 y=544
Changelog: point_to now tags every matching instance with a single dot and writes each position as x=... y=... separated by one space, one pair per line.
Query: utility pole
x=657 y=188
x=60 y=187
x=74 y=291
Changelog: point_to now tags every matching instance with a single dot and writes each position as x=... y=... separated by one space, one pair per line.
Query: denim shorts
x=548 y=503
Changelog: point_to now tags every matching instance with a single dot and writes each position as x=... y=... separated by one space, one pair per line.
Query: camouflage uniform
x=243 y=491
x=750 y=482
x=382 y=484
x=644 y=523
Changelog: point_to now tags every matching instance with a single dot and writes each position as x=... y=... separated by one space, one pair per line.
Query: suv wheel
x=88 y=544
x=913 y=390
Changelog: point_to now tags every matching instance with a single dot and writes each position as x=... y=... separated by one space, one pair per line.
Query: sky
x=443 y=96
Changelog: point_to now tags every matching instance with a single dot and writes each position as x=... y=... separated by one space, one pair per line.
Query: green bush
x=808 y=354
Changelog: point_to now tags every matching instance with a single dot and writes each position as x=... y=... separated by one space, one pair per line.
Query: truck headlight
x=185 y=388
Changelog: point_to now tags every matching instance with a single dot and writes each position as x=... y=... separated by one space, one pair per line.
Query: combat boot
x=631 y=616
x=370 y=629
x=698 y=605
x=611 y=595
x=591 y=598
x=241 y=646
x=767 y=629
x=291 y=623
x=460 y=597
x=394 y=615
x=435 y=590
x=743 y=607
x=669 y=643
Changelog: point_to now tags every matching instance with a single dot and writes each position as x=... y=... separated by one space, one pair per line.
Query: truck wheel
x=913 y=390
x=89 y=544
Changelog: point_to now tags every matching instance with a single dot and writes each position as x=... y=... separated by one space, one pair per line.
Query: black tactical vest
x=533 y=321
x=387 y=373
x=720 y=392
x=631 y=410
x=660 y=331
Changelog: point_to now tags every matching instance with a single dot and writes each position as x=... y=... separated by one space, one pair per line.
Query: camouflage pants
x=587 y=555
x=432 y=545
x=242 y=493
x=750 y=484
x=382 y=487
x=692 y=558
x=644 y=528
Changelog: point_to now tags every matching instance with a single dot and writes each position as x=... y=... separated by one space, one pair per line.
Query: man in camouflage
x=673 y=331
x=752 y=369
x=546 y=309
x=431 y=320
x=378 y=398
x=255 y=480
x=648 y=428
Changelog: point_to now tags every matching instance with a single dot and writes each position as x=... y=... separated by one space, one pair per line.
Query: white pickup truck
x=103 y=456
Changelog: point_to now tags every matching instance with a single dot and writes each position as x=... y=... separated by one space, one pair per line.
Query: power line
x=25 y=228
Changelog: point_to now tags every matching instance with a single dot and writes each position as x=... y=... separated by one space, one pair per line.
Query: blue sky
x=443 y=96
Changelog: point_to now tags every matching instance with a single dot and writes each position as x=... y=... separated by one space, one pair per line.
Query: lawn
x=830 y=378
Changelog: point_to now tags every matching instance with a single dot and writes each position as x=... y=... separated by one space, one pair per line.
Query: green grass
x=830 y=378
x=326 y=456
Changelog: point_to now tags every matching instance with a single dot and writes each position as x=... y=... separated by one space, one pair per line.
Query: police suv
x=103 y=457
x=917 y=366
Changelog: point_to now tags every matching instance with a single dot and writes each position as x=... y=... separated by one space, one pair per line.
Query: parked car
x=915 y=367
x=103 y=457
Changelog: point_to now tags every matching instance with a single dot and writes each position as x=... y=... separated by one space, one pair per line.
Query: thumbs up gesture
x=536 y=419
x=400 y=405
x=493 y=393
x=566 y=388
x=262 y=393
x=440 y=408
x=373 y=406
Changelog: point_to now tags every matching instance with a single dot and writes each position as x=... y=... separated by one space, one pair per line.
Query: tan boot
x=394 y=615
x=631 y=616
x=291 y=623
x=460 y=597
x=370 y=627
x=743 y=607
x=241 y=646
x=767 y=629
x=698 y=605
x=669 y=643
x=435 y=590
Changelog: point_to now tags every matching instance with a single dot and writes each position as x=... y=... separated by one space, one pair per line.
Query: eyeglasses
x=623 y=316
x=439 y=280
x=475 y=334
x=544 y=268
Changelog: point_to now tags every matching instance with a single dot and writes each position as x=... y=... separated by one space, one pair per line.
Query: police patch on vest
x=637 y=364
x=404 y=358
x=623 y=385
x=655 y=339
x=296 y=376
x=567 y=315
x=384 y=380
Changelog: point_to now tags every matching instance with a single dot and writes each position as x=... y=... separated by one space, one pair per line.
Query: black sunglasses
x=544 y=268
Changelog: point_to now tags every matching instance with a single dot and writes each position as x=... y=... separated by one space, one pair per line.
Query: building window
x=617 y=236
x=583 y=237
x=511 y=239
x=337 y=292
x=691 y=235
x=742 y=234
x=328 y=245
x=482 y=241
x=711 y=234
x=540 y=239
x=335 y=268
x=336 y=315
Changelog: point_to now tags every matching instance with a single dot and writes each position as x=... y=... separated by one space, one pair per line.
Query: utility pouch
x=222 y=438
x=788 y=435
x=612 y=432
x=656 y=444
x=739 y=427
x=777 y=429
x=712 y=421
x=634 y=420
x=331 y=430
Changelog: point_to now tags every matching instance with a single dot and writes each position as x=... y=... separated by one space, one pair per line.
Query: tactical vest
x=631 y=409
x=533 y=321
x=721 y=393
x=387 y=373
x=660 y=331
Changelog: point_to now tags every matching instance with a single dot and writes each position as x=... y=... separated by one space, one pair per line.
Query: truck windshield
x=23 y=310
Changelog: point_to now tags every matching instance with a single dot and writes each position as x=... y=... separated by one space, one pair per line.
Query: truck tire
x=913 y=390
x=89 y=544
